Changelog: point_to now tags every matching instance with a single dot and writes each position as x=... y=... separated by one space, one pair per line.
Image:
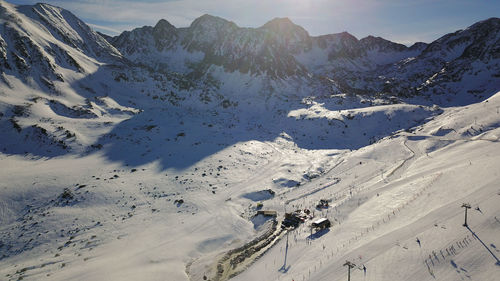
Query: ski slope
x=124 y=222
x=377 y=226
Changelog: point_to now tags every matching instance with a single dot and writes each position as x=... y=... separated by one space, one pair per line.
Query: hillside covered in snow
x=148 y=156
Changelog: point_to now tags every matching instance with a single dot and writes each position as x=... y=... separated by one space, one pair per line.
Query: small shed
x=321 y=223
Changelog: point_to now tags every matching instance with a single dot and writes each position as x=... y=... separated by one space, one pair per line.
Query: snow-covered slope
x=151 y=158
x=152 y=214
x=29 y=48
x=407 y=187
x=47 y=54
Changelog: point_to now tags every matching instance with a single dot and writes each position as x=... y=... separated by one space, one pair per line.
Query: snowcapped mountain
x=148 y=154
x=27 y=48
x=278 y=49
x=282 y=50
x=464 y=63
x=211 y=51
x=47 y=54
x=214 y=41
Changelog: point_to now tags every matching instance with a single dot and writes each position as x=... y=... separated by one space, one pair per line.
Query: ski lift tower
x=466 y=206
x=349 y=266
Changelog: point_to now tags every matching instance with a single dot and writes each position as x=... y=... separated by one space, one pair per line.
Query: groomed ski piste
x=405 y=221
x=123 y=223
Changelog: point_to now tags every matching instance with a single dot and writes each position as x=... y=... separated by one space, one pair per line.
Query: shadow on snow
x=179 y=136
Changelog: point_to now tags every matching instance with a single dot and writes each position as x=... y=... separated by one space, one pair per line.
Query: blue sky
x=403 y=21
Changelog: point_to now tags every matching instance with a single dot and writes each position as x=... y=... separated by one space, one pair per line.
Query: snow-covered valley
x=119 y=166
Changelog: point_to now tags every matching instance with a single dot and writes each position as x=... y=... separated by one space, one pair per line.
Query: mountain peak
x=278 y=22
x=283 y=25
x=286 y=29
x=209 y=20
x=491 y=22
x=165 y=35
x=64 y=26
x=373 y=38
x=371 y=42
x=339 y=38
x=46 y=5
x=163 y=25
x=418 y=46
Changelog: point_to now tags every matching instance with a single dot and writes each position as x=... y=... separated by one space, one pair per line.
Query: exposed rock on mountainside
x=465 y=62
x=281 y=49
x=28 y=53
x=147 y=154
x=215 y=65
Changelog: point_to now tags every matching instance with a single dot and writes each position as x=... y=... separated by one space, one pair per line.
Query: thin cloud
x=106 y=29
x=398 y=20
x=181 y=13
